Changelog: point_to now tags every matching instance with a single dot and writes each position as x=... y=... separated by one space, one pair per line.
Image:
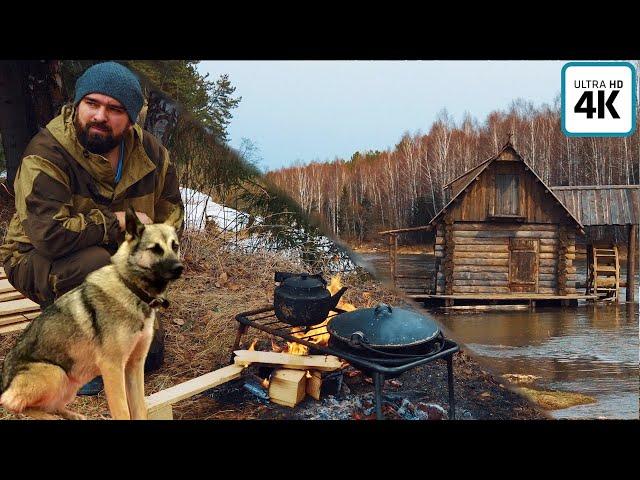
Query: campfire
x=288 y=386
x=308 y=316
x=318 y=334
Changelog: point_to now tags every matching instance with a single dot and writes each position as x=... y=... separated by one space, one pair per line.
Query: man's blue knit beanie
x=114 y=80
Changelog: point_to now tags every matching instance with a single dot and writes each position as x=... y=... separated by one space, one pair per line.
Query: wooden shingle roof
x=602 y=204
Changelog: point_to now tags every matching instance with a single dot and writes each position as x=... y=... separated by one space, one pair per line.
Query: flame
x=318 y=334
x=253 y=344
x=265 y=383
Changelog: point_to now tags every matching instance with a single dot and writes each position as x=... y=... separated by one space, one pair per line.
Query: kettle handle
x=379 y=309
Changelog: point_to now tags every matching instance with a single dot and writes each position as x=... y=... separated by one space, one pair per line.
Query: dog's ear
x=134 y=226
x=175 y=218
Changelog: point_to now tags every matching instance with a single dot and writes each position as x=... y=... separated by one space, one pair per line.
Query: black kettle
x=303 y=299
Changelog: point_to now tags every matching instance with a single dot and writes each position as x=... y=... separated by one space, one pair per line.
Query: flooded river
x=589 y=349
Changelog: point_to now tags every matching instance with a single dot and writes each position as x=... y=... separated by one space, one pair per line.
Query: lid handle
x=357 y=338
x=382 y=309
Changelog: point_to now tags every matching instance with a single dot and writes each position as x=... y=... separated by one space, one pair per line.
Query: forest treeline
x=404 y=185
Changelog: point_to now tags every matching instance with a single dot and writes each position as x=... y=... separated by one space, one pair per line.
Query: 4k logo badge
x=598 y=99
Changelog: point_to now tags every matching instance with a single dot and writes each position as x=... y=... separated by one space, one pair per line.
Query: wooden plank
x=537 y=227
x=305 y=362
x=14 y=327
x=511 y=296
x=2 y=274
x=165 y=412
x=5 y=286
x=16 y=318
x=192 y=387
x=17 y=306
x=5 y=297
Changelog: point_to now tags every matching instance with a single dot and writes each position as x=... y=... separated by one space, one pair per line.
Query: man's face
x=101 y=122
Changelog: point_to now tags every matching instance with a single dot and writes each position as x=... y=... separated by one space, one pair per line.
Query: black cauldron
x=391 y=336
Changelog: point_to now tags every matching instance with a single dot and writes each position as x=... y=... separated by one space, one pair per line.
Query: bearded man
x=75 y=181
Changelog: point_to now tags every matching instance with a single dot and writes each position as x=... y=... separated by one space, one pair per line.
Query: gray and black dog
x=102 y=327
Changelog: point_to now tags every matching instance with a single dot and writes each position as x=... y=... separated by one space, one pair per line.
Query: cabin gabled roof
x=509 y=152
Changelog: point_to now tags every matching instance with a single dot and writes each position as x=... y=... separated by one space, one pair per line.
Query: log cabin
x=504 y=235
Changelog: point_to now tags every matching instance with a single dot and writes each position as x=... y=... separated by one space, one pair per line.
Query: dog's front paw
x=70 y=415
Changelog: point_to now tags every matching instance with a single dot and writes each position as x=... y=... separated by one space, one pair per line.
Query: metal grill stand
x=264 y=319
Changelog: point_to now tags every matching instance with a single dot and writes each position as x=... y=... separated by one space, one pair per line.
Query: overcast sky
x=319 y=110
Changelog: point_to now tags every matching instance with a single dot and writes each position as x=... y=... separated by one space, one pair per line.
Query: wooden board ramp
x=2 y=274
x=159 y=404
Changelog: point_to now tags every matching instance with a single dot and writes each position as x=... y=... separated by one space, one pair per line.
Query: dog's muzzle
x=170 y=270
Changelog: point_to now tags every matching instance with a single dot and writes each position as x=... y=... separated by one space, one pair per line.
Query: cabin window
x=507 y=194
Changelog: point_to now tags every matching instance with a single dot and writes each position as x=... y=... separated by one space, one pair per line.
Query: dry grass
x=200 y=325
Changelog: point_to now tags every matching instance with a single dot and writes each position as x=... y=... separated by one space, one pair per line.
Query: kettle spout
x=333 y=301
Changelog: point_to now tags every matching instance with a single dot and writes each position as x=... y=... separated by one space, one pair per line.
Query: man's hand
x=141 y=216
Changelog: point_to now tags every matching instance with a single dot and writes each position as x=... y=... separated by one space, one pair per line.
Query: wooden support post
x=631 y=262
x=395 y=258
x=391 y=261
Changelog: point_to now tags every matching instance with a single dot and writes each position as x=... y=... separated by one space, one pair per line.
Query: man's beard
x=96 y=143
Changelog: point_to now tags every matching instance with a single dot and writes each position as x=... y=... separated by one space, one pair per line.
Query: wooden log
x=192 y=387
x=549 y=256
x=481 y=248
x=305 y=362
x=477 y=289
x=287 y=387
x=548 y=262
x=488 y=283
x=18 y=317
x=547 y=291
x=549 y=241
x=482 y=241
x=482 y=268
x=496 y=234
x=548 y=283
x=483 y=261
x=503 y=275
x=537 y=227
x=17 y=306
x=458 y=254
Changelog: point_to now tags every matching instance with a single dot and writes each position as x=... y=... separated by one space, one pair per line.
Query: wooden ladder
x=604 y=272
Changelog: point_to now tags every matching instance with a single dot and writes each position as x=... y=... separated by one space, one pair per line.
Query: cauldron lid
x=302 y=282
x=384 y=326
